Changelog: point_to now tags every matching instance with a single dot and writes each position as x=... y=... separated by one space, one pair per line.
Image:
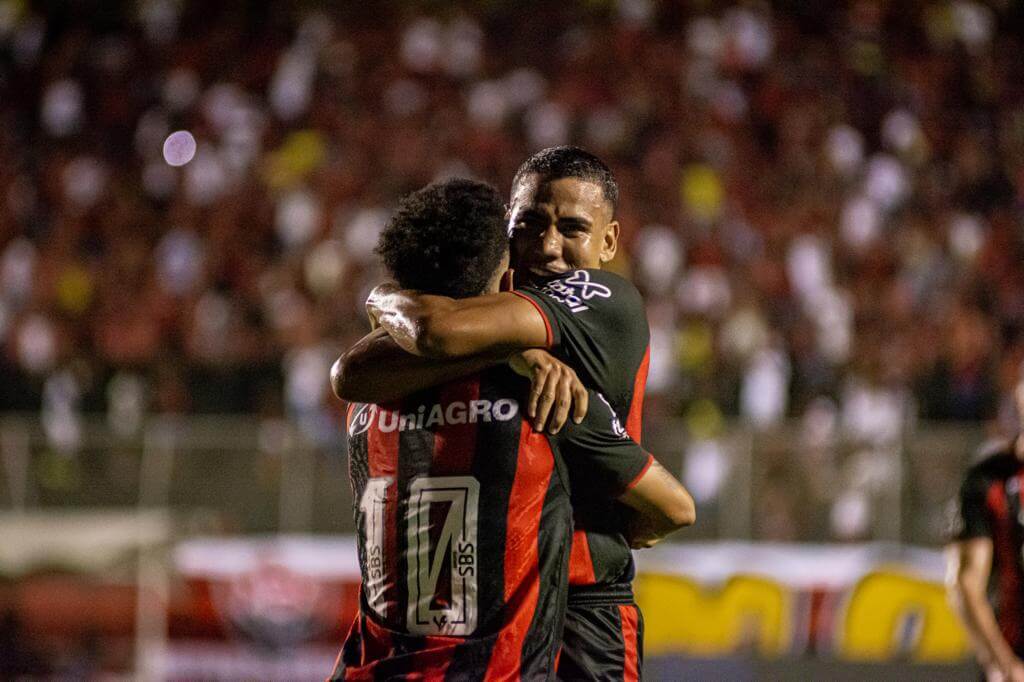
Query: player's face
x=560 y=225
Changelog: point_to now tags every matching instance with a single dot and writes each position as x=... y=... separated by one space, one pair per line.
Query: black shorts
x=603 y=636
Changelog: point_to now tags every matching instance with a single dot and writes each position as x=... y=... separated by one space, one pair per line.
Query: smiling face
x=560 y=225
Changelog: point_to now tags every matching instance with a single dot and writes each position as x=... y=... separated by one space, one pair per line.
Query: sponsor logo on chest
x=429 y=416
x=574 y=290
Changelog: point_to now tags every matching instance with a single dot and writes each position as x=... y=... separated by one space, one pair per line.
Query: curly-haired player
x=437 y=240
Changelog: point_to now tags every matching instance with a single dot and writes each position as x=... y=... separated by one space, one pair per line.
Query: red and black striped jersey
x=463 y=522
x=990 y=506
x=597 y=324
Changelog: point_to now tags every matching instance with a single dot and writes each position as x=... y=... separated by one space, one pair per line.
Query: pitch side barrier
x=869 y=603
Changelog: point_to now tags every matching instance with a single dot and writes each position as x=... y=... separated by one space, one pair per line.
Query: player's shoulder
x=994 y=459
x=598 y=280
x=588 y=288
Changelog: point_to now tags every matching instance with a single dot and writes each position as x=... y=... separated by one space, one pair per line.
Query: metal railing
x=242 y=474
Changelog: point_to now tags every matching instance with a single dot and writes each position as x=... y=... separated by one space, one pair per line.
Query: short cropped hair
x=566 y=161
x=446 y=239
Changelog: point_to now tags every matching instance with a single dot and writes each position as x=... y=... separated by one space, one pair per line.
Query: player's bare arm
x=357 y=376
x=969 y=566
x=662 y=506
x=441 y=327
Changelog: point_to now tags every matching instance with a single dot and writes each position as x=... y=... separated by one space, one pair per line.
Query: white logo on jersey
x=428 y=416
x=575 y=289
x=616 y=425
x=458 y=498
x=361 y=420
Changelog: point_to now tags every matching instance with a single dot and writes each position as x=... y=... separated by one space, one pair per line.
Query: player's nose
x=551 y=246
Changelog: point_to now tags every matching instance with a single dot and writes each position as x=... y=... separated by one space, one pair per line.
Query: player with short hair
x=562 y=230
x=986 y=556
x=463 y=511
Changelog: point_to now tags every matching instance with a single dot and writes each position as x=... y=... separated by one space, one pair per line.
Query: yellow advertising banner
x=857 y=603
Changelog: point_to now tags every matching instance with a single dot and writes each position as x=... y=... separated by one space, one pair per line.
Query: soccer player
x=562 y=230
x=988 y=552
x=463 y=516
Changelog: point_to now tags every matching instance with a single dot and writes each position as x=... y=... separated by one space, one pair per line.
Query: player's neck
x=1018 y=446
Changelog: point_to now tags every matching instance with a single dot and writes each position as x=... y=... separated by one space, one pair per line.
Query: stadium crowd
x=822 y=203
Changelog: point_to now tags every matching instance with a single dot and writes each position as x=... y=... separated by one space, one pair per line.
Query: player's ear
x=610 y=244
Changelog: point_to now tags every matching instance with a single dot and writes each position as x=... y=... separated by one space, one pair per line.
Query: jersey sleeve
x=602 y=461
x=970 y=519
x=596 y=322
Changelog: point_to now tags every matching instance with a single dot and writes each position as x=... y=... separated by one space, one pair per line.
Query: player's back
x=463 y=522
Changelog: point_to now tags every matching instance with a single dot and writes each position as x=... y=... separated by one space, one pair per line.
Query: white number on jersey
x=456 y=546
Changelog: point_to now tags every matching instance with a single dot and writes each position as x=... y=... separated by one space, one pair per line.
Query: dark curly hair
x=446 y=239
x=570 y=162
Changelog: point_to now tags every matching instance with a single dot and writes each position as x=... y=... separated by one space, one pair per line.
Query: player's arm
x=969 y=566
x=604 y=462
x=593 y=330
x=661 y=505
x=442 y=327
x=377 y=370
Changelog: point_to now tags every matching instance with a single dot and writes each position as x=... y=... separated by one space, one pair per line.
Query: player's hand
x=554 y=390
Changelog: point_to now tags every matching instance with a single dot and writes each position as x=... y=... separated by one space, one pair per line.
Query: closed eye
x=573 y=226
x=530 y=221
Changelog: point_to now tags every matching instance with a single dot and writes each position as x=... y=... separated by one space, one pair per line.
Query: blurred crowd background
x=821 y=202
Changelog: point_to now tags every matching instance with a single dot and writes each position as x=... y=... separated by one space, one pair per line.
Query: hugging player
x=562 y=231
x=463 y=509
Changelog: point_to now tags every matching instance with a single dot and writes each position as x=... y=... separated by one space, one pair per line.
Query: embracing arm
x=377 y=370
x=661 y=505
x=441 y=327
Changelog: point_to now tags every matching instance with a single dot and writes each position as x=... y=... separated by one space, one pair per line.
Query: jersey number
x=448 y=505
x=371 y=505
